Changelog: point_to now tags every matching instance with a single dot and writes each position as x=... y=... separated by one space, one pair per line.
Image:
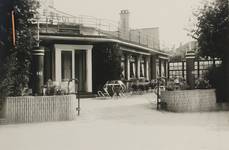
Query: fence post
x=190 y=60
x=38 y=70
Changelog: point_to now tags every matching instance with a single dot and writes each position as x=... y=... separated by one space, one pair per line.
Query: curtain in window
x=66 y=65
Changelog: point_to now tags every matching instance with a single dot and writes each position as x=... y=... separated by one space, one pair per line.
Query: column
x=58 y=65
x=190 y=59
x=138 y=66
x=183 y=69
x=89 y=70
x=127 y=66
x=160 y=67
x=37 y=70
x=165 y=68
x=147 y=67
x=153 y=67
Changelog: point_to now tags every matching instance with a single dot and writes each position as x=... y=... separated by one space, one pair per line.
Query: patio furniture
x=112 y=88
x=104 y=92
x=140 y=87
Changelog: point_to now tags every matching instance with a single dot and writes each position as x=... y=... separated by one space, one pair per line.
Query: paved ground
x=130 y=123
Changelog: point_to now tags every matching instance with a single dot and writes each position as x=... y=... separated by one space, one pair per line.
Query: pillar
x=147 y=68
x=165 y=68
x=138 y=66
x=89 y=70
x=37 y=70
x=127 y=67
x=190 y=60
x=160 y=67
x=153 y=67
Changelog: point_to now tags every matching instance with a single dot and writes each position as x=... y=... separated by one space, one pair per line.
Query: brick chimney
x=124 y=24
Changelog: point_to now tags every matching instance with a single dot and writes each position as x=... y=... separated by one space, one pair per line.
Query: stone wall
x=191 y=101
x=29 y=109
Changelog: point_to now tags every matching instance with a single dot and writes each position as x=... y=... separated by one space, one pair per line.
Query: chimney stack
x=124 y=24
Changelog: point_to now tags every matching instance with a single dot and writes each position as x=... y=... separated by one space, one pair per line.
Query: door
x=80 y=68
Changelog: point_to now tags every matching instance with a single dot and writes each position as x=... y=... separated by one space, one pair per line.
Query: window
x=132 y=67
x=142 y=67
x=196 y=65
x=162 y=68
x=123 y=69
x=66 y=65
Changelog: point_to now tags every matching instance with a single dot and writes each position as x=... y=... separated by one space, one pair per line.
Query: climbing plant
x=106 y=64
x=16 y=57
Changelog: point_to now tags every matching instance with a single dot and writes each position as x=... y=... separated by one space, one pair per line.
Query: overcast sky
x=171 y=16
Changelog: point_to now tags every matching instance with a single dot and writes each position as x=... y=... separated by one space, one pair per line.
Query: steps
x=3 y=121
x=87 y=95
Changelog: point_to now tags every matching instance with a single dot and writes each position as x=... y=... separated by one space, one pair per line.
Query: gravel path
x=130 y=123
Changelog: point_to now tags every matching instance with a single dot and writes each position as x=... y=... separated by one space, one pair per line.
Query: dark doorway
x=80 y=68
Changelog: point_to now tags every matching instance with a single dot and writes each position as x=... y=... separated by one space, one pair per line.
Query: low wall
x=191 y=101
x=39 y=108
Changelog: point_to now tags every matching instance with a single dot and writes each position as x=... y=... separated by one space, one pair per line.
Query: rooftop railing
x=103 y=27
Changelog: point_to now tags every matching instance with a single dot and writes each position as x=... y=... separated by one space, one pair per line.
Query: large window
x=177 y=69
x=162 y=68
x=201 y=68
x=133 y=67
x=123 y=66
x=66 y=65
x=204 y=66
x=142 y=67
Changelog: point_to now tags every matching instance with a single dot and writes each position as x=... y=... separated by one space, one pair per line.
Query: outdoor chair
x=123 y=88
x=112 y=88
x=104 y=92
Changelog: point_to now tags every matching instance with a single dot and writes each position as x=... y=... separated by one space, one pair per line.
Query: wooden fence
x=39 y=108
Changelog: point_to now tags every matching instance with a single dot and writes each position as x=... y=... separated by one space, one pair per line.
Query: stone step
x=87 y=95
x=3 y=121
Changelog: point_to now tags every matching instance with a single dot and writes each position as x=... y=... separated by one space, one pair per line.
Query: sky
x=172 y=17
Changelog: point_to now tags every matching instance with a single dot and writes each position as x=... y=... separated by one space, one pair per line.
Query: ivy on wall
x=106 y=64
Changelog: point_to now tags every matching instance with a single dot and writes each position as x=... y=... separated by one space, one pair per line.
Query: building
x=70 y=47
x=200 y=66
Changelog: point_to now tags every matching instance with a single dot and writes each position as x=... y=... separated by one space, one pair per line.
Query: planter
x=28 y=109
x=191 y=101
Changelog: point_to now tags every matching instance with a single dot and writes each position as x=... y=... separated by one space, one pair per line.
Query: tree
x=212 y=34
x=16 y=60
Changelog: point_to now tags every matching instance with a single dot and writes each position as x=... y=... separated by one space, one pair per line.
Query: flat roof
x=101 y=39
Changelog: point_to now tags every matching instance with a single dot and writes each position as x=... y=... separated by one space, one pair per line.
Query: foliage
x=212 y=30
x=215 y=77
x=106 y=64
x=201 y=83
x=212 y=34
x=55 y=88
x=16 y=60
x=177 y=84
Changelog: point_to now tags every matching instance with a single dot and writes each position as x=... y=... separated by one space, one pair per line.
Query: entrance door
x=80 y=68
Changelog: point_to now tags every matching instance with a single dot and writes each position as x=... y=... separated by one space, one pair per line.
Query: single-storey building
x=93 y=55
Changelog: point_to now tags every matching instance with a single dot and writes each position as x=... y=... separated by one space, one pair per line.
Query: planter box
x=39 y=108
x=191 y=101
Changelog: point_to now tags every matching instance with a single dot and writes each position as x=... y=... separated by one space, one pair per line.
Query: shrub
x=215 y=76
x=177 y=84
x=53 y=88
x=202 y=84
